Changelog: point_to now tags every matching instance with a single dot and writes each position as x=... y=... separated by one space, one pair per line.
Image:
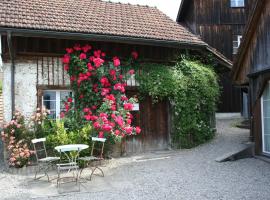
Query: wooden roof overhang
x=203 y=47
x=241 y=71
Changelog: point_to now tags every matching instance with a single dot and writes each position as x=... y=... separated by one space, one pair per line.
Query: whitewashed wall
x=25 y=88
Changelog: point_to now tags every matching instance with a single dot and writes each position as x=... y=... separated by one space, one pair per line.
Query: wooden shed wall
x=256 y=57
x=50 y=46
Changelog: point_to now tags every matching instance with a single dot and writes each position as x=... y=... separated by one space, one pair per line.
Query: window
x=53 y=101
x=237 y=3
x=236 y=43
x=265 y=110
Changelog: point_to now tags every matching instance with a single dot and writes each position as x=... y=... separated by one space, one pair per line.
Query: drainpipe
x=11 y=54
x=1 y=61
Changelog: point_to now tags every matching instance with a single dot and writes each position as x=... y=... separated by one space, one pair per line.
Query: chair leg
x=95 y=168
x=36 y=171
x=58 y=177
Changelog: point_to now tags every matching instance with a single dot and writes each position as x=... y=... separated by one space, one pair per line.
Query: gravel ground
x=186 y=174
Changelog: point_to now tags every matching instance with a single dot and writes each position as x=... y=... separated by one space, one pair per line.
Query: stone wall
x=25 y=88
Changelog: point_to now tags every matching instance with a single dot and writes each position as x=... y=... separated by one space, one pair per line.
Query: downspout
x=1 y=61
x=11 y=54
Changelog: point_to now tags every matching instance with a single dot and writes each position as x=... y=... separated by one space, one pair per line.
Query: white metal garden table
x=71 y=151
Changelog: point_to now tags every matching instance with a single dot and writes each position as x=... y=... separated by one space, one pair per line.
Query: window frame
x=262 y=118
x=57 y=99
x=238 y=41
x=237 y=6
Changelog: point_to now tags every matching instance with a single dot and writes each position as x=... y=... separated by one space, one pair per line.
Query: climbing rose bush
x=99 y=84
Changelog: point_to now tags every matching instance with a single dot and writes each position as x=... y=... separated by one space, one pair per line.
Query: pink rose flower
x=86 y=48
x=128 y=106
x=98 y=62
x=131 y=71
x=134 y=55
x=116 y=62
x=82 y=56
x=138 y=130
x=66 y=59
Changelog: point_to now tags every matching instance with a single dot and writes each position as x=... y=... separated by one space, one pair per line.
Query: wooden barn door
x=153 y=120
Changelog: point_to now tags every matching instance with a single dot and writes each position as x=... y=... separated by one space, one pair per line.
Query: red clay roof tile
x=93 y=16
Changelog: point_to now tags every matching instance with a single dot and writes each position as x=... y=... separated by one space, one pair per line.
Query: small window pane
x=54 y=101
x=52 y=115
x=267 y=143
x=266 y=93
x=237 y=3
x=266 y=119
x=49 y=95
x=50 y=105
x=65 y=94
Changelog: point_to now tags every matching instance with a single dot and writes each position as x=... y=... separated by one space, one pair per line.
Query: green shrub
x=192 y=89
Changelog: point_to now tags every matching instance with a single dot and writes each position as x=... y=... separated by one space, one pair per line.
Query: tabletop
x=71 y=147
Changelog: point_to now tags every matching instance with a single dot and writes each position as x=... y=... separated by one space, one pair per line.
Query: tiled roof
x=93 y=16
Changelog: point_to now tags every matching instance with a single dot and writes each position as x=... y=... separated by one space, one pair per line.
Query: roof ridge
x=140 y=5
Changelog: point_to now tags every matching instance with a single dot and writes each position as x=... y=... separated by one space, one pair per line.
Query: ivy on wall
x=192 y=89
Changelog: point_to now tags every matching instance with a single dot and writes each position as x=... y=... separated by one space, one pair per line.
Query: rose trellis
x=99 y=86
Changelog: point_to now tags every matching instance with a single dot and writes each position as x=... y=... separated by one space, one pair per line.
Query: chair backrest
x=40 y=148
x=98 y=151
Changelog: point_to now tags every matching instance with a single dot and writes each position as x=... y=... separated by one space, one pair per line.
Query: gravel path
x=186 y=174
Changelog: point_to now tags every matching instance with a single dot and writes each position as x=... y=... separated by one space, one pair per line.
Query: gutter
x=101 y=37
x=11 y=53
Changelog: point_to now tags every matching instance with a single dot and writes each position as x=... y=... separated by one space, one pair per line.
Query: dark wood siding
x=217 y=24
x=153 y=118
x=230 y=95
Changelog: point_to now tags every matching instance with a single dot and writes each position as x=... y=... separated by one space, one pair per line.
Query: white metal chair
x=44 y=162
x=95 y=156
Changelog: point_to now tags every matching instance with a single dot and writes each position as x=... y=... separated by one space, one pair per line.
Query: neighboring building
x=252 y=69
x=220 y=23
x=35 y=34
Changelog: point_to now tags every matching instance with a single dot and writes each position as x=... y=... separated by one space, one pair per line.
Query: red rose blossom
x=62 y=115
x=97 y=53
x=69 y=99
x=69 y=50
x=129 y=130
x=101 y=135
x=134 y=55
x=117 y=132
x=90 y=67
x=131 y=71
x=86 y=110
x=82 y=56
x=66 y=67
x=98 y=62
x=116 y=62
x=87 y=117
x=77 y=47
x=138 y=130
x=128 y=106
x=112 y=72
x=66 y=59
x=86 y=48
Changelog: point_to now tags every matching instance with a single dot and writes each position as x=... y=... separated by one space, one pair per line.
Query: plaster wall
x=25 y=88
